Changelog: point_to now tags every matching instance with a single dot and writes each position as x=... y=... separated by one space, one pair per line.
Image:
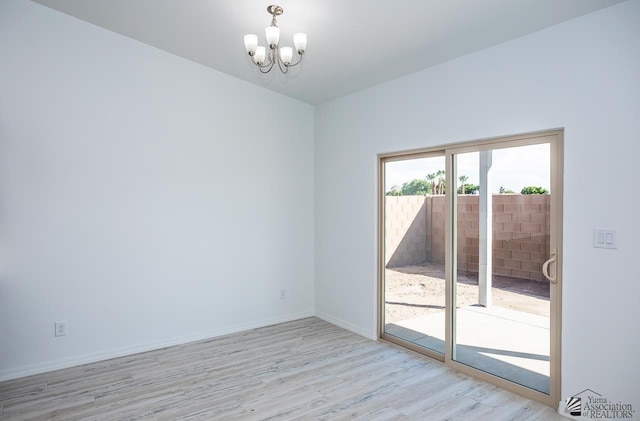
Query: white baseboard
x=29 y=370
x=346 y=325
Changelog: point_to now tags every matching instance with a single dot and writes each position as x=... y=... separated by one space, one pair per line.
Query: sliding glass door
x=470 y=274
x=414 y=252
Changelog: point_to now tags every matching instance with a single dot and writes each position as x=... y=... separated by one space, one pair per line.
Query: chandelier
x=276 y=54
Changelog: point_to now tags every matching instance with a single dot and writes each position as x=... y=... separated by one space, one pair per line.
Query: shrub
x=534 y=190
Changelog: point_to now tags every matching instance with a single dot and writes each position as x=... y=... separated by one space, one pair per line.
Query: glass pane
x=414 y=235
x=502 y=311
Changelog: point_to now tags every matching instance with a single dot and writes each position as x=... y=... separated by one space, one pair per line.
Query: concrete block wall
x=436 y=225
x=406 y=234
x=521 y=226
x=520 y=232
x=468 y=233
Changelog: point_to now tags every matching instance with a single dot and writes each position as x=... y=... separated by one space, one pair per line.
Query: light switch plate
x=60 y=328
x=605 y=239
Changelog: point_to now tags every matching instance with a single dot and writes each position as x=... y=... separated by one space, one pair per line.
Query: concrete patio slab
x=507 y=343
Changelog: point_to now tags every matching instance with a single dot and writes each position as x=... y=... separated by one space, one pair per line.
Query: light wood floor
x=306 y=369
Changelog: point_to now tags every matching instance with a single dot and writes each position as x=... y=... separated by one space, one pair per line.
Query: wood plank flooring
x=306 y=369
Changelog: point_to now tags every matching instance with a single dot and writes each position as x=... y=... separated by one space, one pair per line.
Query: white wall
x=144 y=199
x=584 y=76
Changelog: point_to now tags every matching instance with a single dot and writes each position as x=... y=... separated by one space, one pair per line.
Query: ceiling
x=352 y=45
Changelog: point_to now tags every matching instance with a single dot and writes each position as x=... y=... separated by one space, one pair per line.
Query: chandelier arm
x=268 y=66
x=281 y=64
x=262 y=66
x=297 y=62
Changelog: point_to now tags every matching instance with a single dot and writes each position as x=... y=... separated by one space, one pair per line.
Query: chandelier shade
x=300 y=41
x=260 y=55
x=266 y=57
x=273 y=36
x=251 y=43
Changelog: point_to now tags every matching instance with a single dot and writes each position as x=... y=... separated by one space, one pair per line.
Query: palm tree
x=462 y=179
x=431 y=178
x=441 y=183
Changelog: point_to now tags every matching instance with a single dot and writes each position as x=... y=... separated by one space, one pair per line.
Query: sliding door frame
x=555 y=140
x=382 y=160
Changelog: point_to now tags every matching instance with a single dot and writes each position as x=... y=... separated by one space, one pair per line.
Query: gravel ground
x=414 y=291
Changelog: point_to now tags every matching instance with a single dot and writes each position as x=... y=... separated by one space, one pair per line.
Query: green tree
x=469 y=189
x=534 y=190
x=416 y=187
x=506 y=191
x=395 y=191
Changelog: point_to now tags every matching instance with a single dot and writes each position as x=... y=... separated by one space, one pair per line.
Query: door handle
x=545 y=267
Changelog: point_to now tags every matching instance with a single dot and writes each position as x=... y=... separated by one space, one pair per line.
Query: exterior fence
x=415 y=232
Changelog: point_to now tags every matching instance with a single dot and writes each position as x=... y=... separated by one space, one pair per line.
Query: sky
x=513 y=168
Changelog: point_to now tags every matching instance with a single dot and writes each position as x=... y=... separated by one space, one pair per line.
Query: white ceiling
x=353 y=44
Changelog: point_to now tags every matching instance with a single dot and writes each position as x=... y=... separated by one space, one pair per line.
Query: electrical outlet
x=60 y=328
x=283 y=294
